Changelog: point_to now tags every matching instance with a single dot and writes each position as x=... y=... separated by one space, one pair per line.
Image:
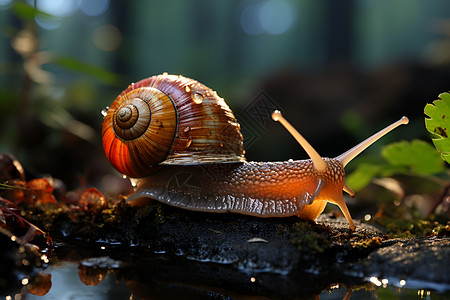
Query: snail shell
x=169 y=120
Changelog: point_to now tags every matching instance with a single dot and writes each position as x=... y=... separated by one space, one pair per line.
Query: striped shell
x=169 y=120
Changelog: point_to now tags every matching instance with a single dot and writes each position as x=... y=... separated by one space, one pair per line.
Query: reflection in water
x=40 y=285
x=91 y=276
x=162 y=278
x=66 y=284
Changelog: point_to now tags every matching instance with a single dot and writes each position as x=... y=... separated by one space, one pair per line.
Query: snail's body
x=264 y=189
x=180 y=144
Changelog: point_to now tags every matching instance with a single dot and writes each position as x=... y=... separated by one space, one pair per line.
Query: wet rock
x=340 y=223
x=250 y=244
x=425 y=259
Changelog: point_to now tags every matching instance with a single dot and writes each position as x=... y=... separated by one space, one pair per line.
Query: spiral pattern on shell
x=169 y=120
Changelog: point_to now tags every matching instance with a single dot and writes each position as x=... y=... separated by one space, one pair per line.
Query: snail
x=180 y=144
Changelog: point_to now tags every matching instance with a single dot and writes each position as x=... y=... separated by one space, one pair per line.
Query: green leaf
x=82 y=67
x=417 y=155
x=27 y=12
x=362 y=176
x=438 y=123
x=388 y=170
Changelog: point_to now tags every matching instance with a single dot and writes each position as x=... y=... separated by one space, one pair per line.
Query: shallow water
x=163 y=277
x=185 y=266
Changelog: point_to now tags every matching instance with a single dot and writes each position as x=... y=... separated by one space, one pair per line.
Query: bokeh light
x=58 y=8
x=47 y=22
x=272 y=17
x=276 y=16
x=250 y=20
x=107 y=37
x=94 y=7
x=5 y=3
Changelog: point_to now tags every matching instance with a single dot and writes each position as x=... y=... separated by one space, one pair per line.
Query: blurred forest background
x=340 y=70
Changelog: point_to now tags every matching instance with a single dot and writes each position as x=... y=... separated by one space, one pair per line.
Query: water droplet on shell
x=165 y=74
x=187 y=89
x=197 y=97
x=189 y=142
x=105 y=111
x=186 y=129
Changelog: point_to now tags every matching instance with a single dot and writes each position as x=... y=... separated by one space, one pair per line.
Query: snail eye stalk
x=347 y=156
x=317 y=160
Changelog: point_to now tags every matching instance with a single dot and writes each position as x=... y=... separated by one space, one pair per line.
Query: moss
x=441 y=230
x=368 y=243
x=308 y=237
x=403 y=228
x=160 y=214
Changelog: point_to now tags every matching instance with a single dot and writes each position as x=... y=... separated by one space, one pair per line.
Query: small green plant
x=416 y=157
x=438 y=124
x=415 y=161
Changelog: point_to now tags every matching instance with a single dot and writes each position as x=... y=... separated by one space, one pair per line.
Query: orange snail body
x=185 y=149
